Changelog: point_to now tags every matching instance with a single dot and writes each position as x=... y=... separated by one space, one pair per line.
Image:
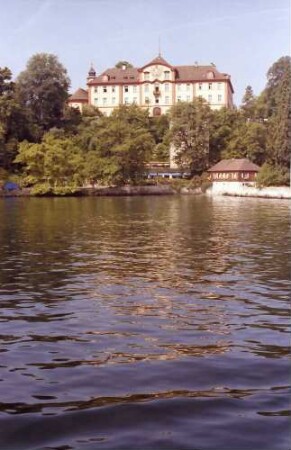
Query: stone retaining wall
x=243 y=190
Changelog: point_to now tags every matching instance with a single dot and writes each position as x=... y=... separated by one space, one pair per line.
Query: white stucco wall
x=248 y=190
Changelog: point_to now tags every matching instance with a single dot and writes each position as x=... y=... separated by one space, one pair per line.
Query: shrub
x=272 y=176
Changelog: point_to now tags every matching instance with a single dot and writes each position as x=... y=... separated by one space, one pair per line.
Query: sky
x=242 y=37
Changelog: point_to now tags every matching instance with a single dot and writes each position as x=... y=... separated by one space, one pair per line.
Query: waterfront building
x=156 y=86
x=233 y=172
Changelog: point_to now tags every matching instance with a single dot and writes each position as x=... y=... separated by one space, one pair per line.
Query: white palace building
x=156 y=86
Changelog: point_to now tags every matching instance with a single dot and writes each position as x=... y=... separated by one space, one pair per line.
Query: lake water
x=144 y=323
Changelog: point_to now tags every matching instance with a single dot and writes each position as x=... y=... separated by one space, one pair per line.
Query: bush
x=272 y=176
x=46 y=189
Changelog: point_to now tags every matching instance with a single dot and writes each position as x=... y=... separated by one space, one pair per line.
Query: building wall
x=248 y=190
x=158 y=79
x=76 y=104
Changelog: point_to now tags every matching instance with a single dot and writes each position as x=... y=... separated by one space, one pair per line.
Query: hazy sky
x=242 y=37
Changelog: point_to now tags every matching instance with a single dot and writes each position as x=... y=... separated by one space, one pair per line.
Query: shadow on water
x=144 y=323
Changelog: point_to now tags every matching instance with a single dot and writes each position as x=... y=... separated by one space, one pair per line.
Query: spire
x=92 y=72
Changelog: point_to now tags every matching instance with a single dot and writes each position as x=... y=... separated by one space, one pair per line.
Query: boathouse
x=234 y=170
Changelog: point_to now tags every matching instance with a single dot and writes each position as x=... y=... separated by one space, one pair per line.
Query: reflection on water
x=144 y=323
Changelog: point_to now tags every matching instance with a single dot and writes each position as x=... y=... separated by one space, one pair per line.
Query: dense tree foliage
x=190 y=134
x=13 y=126
x=120 y=65
x=55 y=148
x=43 y=91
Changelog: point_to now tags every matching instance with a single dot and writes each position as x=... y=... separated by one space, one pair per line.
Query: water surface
x=144 y=323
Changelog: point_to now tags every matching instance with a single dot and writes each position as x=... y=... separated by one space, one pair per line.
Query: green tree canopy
x=248 y=103
x=43 y=91
x=13 y=125
x=190 y=134
x=117 y=147
x=278 y=104
x=119 y=64
x=55 y=162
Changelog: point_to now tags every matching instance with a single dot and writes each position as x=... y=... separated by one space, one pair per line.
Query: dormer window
x=167 y=74
x=105 y=78
x=210 y=74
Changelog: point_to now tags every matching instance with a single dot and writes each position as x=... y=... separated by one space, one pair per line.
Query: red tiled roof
x=80 y=94
x=157 y=60
x=234 y=165
x=183 y=73
x=198 y=73
x=115 y=75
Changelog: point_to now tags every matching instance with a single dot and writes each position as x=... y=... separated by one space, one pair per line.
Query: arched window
x=157 y=111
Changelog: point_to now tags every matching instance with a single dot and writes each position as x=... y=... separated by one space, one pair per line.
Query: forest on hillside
x=50 y=147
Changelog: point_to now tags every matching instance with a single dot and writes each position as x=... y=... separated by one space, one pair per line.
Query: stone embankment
x=128 y=190
x=282 y=192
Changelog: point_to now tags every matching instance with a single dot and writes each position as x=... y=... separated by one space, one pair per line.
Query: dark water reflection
x=144 y=323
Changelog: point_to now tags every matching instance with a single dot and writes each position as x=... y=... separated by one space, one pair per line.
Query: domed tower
x=91 y=73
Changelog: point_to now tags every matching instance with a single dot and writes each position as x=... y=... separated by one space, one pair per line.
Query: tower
x=91 y=73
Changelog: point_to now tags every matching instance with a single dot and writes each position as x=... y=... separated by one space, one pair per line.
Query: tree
x=55 y=162
x=120 y=65
x=278 y=91
x=272 y=176
x=13 y=126
x=224 y=122
x=117 y=147
x=43 y=91
x=247 y=140
x=248 y=103
x=190 y=134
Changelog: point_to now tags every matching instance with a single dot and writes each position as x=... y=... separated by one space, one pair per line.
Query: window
x=167 y=100
x=96 y=89
x=167 y=74
x=146 y=75
x=178 y=87
x=167 y=87
x=188 y=87
x=179 y=98
x=147 y=100
x=134 y=100
x=113 y=100
x=95 y=101
x=104 y=89
x=200 y=86
x=134 y=89
x=113 y=89
x=125 y=88
x=219 y=86
x=210 y=98
x=157 y=100
x=126 y=100
x=188 y=98
x=104 y=101
x=146 y=87
x=209 y=86
x=219 y=97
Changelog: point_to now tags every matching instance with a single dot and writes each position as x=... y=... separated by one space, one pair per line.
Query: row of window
x=180 y=87
x=230 y=176
x=167 y=75
x=147 y=100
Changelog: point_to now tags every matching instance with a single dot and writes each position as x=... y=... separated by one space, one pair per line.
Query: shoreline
x=283 y=193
